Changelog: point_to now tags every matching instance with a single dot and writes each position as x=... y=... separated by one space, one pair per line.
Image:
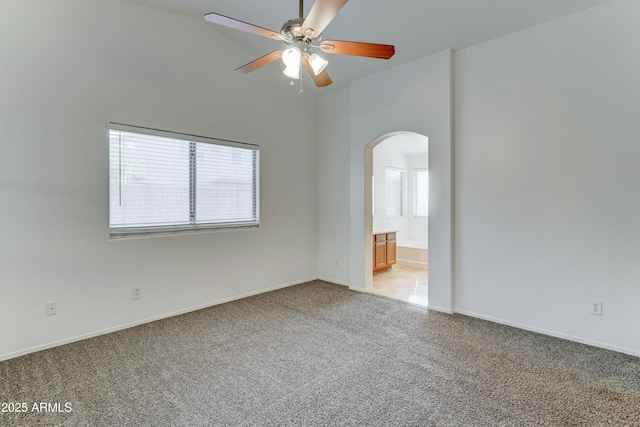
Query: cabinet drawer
x=391 y=236
x=380 y=237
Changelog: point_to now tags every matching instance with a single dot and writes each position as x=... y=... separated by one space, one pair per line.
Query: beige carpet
x=318 y=354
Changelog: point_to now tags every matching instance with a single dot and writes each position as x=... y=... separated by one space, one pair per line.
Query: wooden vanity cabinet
x=384 y=250
x=391 y=249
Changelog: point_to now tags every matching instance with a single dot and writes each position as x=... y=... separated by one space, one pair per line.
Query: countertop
x=384 y=230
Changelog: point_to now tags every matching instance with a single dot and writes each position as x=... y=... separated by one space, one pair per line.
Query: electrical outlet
x=52 y=308
x=136 y=293
x=595 y=308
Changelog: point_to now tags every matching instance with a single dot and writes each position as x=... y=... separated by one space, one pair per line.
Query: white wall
x=547 y=177
x=69 y=67
x=418 y=228
x=546 y=153
x=414 y=97
x=333 y=187
x=389 y=153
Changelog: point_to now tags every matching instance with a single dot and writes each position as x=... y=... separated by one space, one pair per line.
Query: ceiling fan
x=303 y=39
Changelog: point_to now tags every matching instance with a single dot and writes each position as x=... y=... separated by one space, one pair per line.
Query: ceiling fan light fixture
x=318 y=64
x=293 y=72
x=301 y=34
x=291 y=57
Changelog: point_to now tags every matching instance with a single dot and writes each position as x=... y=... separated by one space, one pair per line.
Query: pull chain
x=301 y=90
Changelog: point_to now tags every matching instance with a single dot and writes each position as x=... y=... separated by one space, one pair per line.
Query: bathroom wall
x=386 y=155
x=417 y=228
x=392 y=153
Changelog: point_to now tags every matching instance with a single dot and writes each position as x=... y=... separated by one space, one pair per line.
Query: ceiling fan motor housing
x=292 y=30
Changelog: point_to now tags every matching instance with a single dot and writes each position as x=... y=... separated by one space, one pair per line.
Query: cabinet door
x=380 y=250
x=391 y=252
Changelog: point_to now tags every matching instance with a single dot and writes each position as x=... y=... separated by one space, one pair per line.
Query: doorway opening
x=398 y=177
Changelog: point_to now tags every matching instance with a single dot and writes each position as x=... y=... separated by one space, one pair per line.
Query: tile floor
x=402 y=282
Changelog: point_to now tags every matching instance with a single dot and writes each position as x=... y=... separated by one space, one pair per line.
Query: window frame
x=124 y=231
x=403 y=192
x=415 y=192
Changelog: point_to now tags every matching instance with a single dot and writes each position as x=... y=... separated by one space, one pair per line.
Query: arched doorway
x=440 y=222
x=396 y=216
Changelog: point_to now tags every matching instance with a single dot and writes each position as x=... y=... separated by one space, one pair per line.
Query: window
x=396 y=179
x=421 y=192
x=164 y=182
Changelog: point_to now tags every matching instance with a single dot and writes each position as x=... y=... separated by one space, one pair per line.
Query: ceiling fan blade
x=260 y=62
x=322 y=12
x=322 y=79
x=370 y=50
x=216 y=18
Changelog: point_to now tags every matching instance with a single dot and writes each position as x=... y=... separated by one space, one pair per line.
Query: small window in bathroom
x=421 y=193
x=396 y=189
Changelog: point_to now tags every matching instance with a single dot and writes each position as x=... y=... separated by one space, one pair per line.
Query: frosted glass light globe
x=292 y=72
x=318 y=64
x=291 y=57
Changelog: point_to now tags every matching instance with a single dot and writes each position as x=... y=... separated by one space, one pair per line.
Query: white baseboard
x=147 y=320
x=335 y=282
x=618 y=349
x=440 y=309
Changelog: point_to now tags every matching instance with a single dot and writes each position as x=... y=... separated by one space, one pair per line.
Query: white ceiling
x=417 y=28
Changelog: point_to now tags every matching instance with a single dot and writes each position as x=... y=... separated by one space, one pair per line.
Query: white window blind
x=164 y=182
x=396 y=183
x=421 y=192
